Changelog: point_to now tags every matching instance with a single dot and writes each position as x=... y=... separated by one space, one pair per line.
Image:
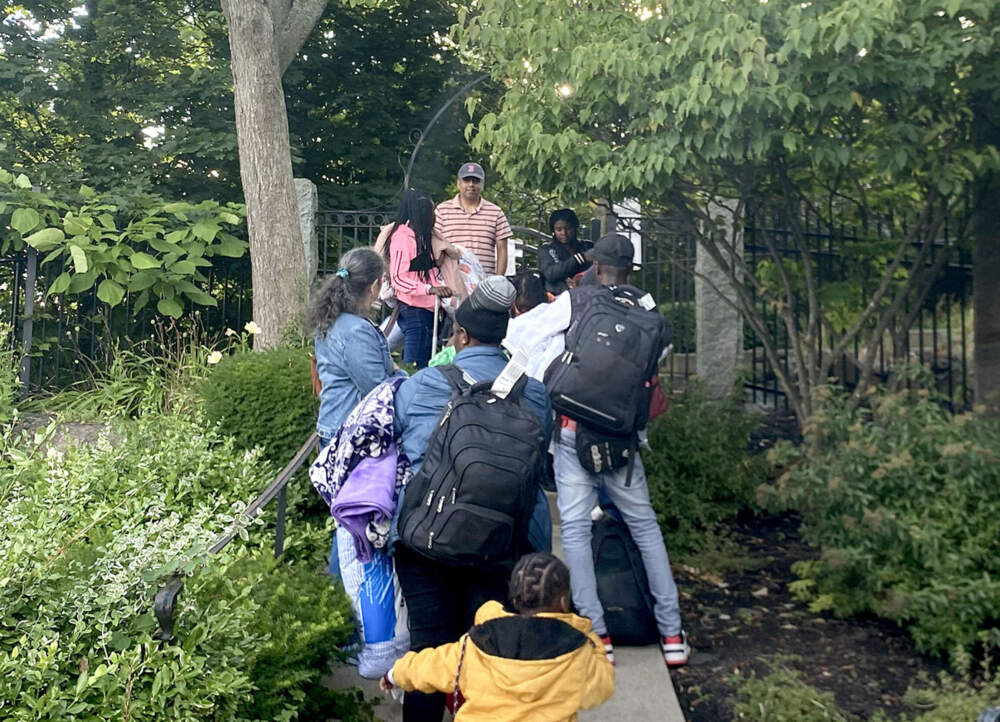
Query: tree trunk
x=986 y=296
x=276 y=252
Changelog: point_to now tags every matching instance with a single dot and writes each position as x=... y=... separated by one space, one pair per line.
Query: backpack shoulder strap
x=580 y=299
x=518 y=389
x=453 y=374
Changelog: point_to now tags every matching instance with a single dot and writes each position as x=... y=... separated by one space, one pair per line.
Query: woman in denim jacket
x=352 y=355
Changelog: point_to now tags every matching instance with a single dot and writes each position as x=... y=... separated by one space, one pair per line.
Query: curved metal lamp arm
x=420 y=139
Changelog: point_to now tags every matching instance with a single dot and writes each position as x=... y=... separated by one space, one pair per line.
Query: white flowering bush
x=89 y=534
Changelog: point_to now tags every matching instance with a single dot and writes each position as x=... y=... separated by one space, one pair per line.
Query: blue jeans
x=418 y=327
x=577 y=489
x=540 y=526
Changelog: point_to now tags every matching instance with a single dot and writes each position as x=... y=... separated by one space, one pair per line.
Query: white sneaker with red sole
x=676 y=651
x=609 y=648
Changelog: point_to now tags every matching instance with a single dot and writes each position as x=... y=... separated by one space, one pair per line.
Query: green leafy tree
x=119 y=95
x=856 y=112
x=152 y=249
x=138 y=96
x=367 y=79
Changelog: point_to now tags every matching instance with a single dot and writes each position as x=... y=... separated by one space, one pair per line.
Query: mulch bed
x=735 y=620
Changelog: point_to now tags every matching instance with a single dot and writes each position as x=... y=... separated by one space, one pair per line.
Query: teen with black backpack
x=476 y=445
x=600 y=386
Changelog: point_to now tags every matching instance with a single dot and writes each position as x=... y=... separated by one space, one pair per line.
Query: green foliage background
x=903 y=502
x=626 y=101
x=154 y=250
x=138 y=97
x=698 y=469
x=89 y=533
x=263 y=399
x=781 y=695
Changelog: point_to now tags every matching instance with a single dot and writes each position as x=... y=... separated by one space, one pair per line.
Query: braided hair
x=538 y=583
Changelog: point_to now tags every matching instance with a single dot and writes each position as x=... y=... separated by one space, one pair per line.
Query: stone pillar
x=308 y=203
x=718 y=326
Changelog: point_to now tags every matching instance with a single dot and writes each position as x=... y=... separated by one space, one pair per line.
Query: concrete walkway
x=643 y=688
x=644 y=691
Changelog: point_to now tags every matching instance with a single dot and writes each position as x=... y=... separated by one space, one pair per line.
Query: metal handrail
x=166 y=597
x=275 y=488
x=534 y=232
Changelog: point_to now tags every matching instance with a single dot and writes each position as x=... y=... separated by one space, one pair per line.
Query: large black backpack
x=471 y=501
x=622 y=585
x=613 y=345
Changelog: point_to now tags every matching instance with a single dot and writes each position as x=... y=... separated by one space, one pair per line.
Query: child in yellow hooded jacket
x=541 y=664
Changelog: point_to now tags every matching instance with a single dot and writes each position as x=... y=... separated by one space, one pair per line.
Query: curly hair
x=538 y=582
x=344 y=290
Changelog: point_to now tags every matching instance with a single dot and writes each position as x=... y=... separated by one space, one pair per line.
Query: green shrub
x=263 y=399
x=88 y=535
x=304 y=619
x=680 y=320
x=904 y=503
x=8 y=379
x=783 y=696
x=952 y=700
x=152 y=376
x=699 y=470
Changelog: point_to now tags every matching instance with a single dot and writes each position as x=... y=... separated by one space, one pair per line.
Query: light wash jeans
x=577 y=495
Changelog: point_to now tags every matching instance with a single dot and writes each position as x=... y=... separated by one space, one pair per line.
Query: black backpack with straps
x=622 y=585
x=613 y=345
x=602 y=379
x=472 y=499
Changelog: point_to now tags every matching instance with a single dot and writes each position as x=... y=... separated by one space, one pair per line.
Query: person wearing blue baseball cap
x=474 y=222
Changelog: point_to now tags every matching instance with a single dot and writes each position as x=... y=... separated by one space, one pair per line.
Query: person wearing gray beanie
x=441 y=600
x=485 y=313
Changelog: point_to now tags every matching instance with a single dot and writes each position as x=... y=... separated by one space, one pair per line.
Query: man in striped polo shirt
x=474 y=222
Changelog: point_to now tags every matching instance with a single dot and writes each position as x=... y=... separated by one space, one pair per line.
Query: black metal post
x=163 y=607
x=279 y=529
x=420 y=139
x=27 y=329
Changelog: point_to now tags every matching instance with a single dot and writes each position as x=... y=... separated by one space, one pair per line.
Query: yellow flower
x=252 y=328
x=230 y=332
x=215 y=357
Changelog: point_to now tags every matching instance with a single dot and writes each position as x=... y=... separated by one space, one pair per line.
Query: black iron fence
x=932 y=329
x=64 y=334
x=61 y=338
x=668 y=256
x=340 y=231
